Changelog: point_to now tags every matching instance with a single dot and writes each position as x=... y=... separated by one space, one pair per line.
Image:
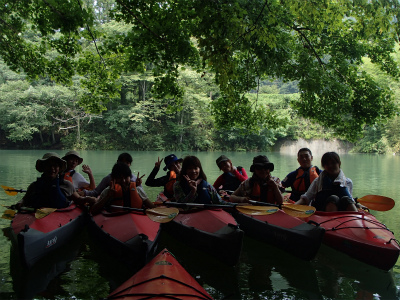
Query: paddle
x=43 y=212
x=11 y=191
x=375 y=202
x=158 y=214
x=246 y=209
x=294 y=210
x=10 y=212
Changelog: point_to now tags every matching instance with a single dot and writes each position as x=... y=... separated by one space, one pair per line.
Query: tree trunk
x=78 y=130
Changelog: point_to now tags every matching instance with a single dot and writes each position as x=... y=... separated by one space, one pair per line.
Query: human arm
x=220 y=181
x=106 y=195
x=242 y=177
x=146 y=201
x=104 y=183
x=86 y=169
x=310 y=194
x=274 y=184
x=180 y=195
x=240 y=195
x=152 y=181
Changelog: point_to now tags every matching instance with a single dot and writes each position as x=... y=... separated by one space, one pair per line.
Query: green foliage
x=318 y=44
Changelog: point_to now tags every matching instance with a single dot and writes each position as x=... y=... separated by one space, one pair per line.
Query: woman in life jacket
x=51 y=190
x=192 y=185
x=230 y=180
x=122 y=191
x=261 y=186
x=332 y=190
x=73 y=160
x=173 y=164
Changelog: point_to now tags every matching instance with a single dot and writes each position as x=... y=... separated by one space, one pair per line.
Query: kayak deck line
x=169 y=295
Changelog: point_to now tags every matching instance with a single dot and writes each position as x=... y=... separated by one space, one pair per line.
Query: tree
x=319 y=44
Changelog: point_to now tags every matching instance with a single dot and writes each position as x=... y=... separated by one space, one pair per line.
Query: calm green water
x=83 y=271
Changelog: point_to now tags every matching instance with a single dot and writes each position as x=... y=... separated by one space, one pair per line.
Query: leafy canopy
x=319 y=44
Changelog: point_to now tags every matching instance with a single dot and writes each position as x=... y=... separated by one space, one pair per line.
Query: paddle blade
x=162 y=214
x=257 y=210
x=299 y=211
x=9 y=190
x=8 y=214
x=43 y=212
x=379 y=203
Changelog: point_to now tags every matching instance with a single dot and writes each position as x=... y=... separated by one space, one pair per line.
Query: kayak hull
x=130 y=236
x=162 y=278
x=36 y=238
x=213 y=231
x=361 y=236
x=288 y=233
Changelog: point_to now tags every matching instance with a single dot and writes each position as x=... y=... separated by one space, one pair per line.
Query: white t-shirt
x=79 y=181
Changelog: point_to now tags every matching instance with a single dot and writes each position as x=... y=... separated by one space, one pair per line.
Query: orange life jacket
x=68 y=175
x=299 y=184
x=135 y=200
x=169 y=187
x=256 y=194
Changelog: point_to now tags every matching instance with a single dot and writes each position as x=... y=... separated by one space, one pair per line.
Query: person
x=192 y=185
x=232 y=176
x=121 y=192
x=125 y=158
x=173 y=164
x=300 y=179
x=51 y=189
x=73 y=160
x=332 y=190
x=261 y=186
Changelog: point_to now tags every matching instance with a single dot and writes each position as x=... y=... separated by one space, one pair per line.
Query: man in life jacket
x=261 y=186
x=73 y=160
x=51 y=190
x=121 y=192
x=174 y=165
x=301 y=179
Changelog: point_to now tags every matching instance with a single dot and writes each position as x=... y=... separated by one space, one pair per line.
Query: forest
x=142 y=103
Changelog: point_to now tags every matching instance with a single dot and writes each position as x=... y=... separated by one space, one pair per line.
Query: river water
x=82 y=271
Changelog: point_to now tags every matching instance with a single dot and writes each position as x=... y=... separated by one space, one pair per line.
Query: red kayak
x=128 y=235
x=35 y=238
x=162 y=278
x=213 y=231
x=361 y=236
x=286 y=232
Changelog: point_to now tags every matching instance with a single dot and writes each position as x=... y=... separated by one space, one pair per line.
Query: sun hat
x=40 y=163
x=221 y=159
x=73 y=153
x=169 y=160
x=261 y=161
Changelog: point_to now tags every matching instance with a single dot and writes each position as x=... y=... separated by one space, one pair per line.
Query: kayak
x=361 y=236
x=213 y=231
x=162 y=278
x=35 y=238
x=286 y=232
x=128 y=235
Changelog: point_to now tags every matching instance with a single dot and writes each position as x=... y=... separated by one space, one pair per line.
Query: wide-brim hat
x=221 y=159
x=261 y=161
x=73 y=153
x=40 y=163
x=170 y=159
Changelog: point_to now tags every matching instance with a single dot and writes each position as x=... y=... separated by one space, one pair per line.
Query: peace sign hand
x=139 y=179
x=192 y=183
x=158 y=163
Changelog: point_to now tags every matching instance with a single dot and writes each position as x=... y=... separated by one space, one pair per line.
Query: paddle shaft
x=197 y=205
x=128 y=208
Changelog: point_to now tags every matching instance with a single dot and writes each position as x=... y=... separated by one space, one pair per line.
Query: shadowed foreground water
x=82 y=270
